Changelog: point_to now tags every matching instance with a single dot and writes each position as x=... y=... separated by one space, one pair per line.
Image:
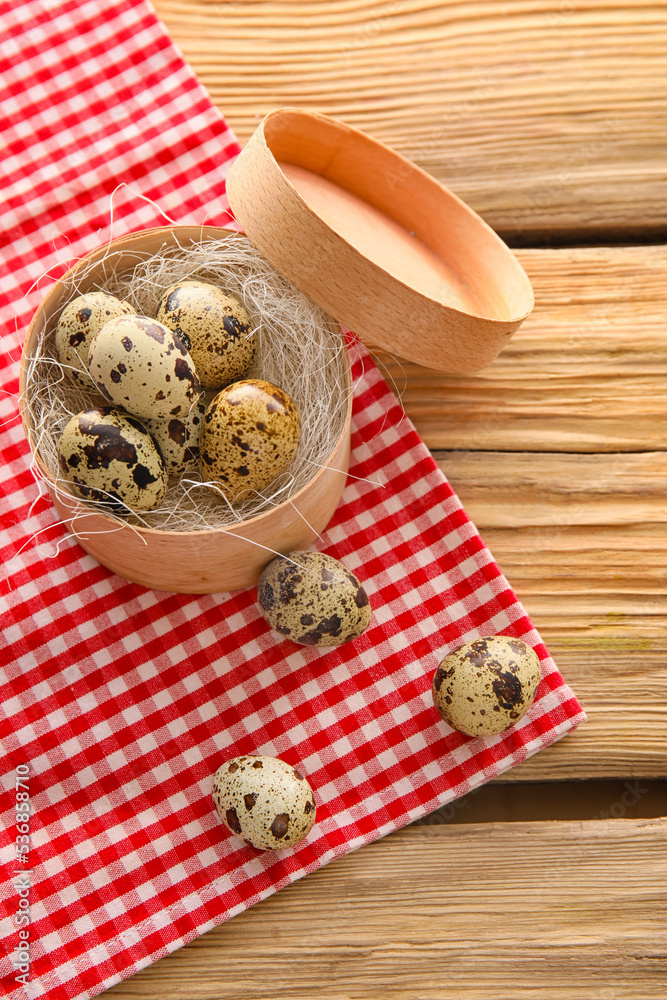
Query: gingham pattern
x=124 y=701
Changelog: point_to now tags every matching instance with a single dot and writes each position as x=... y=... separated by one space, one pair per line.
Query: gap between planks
x=521 y=802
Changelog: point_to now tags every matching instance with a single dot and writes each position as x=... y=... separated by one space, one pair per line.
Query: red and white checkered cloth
x=122 y=701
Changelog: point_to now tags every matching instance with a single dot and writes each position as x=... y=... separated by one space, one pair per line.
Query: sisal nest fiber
x=299 y=348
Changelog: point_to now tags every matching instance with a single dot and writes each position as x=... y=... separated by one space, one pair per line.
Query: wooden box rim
x=377 y=242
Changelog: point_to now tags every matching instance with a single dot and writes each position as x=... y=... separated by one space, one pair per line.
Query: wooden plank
x=583 y=541
x=548 y=116
x=587 y=371
x=554 y=911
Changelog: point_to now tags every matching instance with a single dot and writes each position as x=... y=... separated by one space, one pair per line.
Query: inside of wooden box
x=399 y=217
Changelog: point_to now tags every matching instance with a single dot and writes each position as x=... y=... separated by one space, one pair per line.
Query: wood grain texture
x=546 y=116
x=583 y=541
x=586 y=372
x=554 y=911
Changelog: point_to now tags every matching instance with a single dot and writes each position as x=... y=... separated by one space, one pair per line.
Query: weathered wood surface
x=586 y=372
x=555 y=911
x=546 y=117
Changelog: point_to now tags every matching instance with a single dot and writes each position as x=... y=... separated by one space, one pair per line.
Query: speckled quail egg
x=79 y=321
x=264 y=800
x=215 y=328
x=110 y=457
x=485 y=686
x=178 y=437
x=139 y=364
x=251 y=433
x=313 y=599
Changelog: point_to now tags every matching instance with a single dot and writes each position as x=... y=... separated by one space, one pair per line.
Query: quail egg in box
x=483 y=687
x=264 y=800
x=79 y=322
x=214 y=327
x=139 y=364
x=313 y=599
x=250 y=435
x=178 y=437
x=109 y=456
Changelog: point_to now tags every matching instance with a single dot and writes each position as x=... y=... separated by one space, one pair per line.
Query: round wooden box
x=193 y=562
x=384 y=249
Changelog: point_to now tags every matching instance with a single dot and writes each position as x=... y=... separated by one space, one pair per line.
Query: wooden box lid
x=377 y=242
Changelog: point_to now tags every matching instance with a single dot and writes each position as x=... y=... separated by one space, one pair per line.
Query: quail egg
x=178 y=437
x=264 y=800
x=215 y=328
x=139 y=364
x=250 y=435
x=485 y=686
x=313 y=599
x=110 y=457
x=79 y=321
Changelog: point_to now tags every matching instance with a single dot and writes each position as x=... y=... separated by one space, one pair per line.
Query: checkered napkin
x=118 y=703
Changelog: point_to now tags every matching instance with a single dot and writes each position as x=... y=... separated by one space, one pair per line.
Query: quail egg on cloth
x=139 y=364
x=215 y=328
x=313 y=599
x=264 y=800
x=178 y=437
x=79 y=321
x=485 y=686
x=110 y=457
x=250 y=435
